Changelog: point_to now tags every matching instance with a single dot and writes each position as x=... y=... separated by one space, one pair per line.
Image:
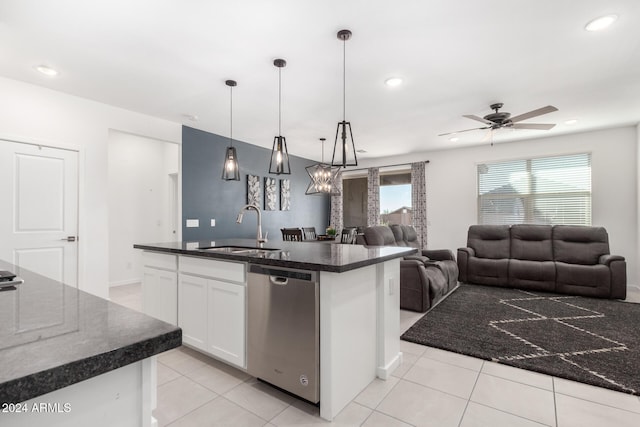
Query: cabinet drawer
x=158 y=260
x=224 y=270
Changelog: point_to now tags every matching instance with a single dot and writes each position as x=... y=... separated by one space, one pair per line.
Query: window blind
x=547 y=190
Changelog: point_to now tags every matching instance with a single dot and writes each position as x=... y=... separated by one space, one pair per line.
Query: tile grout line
x=555 y=404
x=466 y=406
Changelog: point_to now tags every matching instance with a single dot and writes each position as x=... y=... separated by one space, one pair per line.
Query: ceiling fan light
x=601 y=23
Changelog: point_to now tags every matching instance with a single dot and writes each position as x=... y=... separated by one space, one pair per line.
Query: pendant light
x=344 y=153
x=230 y=169
x=323 y=177
x=279 y=163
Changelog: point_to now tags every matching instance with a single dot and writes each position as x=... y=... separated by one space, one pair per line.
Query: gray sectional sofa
x=572 y=260
x=425 y=278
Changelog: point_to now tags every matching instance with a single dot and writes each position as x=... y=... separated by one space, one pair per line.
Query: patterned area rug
x=590 y=340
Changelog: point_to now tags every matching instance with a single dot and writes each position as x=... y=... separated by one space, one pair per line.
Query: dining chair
x=309 y=233
x=291 y=234
x=348 y=235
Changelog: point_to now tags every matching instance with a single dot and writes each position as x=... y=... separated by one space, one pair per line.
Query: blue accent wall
x=206 y=196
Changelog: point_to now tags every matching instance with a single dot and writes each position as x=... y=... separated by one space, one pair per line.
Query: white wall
x=452 y=197
x=139 y=200
x=35 y=114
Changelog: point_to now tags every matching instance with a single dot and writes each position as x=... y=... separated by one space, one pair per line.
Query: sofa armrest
x=407 y=263
x=438 y=254
x=468 y=251
x=618 y=267
x=421 y=258
x=608 y=259
x=463 y=258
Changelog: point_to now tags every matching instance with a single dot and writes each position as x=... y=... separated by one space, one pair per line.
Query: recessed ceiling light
x=191 y=117
x=600 y=23
x=454 y=139
x=571 y=122
x=46 y=70
x=393 y=81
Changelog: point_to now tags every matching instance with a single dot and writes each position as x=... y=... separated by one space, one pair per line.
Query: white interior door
x=39 y=216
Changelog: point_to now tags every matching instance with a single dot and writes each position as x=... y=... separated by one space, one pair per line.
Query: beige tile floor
x=431 y=388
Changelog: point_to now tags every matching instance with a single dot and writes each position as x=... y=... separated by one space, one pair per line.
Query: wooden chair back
x=309 y=233
x=348 y=235
x=291 y=234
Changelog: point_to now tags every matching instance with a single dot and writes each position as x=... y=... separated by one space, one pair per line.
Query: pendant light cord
x=344 y=80
x=279 y=100
x=231 y=116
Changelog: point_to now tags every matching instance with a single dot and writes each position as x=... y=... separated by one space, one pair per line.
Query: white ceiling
x=171 y=58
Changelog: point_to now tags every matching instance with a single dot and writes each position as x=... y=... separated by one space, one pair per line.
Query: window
x=395 y=197
x=548 y=190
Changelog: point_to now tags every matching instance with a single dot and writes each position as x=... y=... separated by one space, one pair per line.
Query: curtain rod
x=383 y=166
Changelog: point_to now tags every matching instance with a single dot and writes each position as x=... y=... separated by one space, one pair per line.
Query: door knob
x=69 y=239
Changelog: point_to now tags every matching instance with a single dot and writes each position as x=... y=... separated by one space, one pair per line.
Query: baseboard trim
x=124 y=282
x=384 y=372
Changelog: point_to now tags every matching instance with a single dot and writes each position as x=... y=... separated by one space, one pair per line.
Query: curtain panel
x=335 y=219
x=373 y=195
x=419 y=201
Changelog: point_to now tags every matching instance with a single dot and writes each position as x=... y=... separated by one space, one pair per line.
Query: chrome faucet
x=259 y=239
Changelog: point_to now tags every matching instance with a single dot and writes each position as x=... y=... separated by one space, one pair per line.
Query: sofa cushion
x=379 y=235
x=488 y=271
x=398 y=234
x=574 y=244
x=533 y=275
x=410 y=236
x=489 y=241
x=587 y=280
x=531 y=242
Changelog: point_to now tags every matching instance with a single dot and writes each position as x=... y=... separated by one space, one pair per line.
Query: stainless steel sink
x=238 y=250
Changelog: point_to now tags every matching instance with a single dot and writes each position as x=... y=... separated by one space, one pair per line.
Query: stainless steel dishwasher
x=283 y=336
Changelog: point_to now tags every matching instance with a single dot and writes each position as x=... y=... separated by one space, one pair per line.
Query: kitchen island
x=70 y=358
x=202 y=285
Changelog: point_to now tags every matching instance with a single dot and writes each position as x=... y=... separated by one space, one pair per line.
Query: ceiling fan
x=501 y=119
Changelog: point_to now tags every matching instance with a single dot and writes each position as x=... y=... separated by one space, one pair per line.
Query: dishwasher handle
x=279 y=280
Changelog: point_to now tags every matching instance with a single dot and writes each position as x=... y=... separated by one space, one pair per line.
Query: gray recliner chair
x=425 y=278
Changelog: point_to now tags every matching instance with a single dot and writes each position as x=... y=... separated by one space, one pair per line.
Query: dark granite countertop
x=309 y=255
x=53 y=335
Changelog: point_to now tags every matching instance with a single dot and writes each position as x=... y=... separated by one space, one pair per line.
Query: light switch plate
x=193 y=223
x=213 y=222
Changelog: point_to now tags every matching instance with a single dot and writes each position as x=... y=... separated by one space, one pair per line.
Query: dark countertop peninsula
x=318 y=256
x=53 y=335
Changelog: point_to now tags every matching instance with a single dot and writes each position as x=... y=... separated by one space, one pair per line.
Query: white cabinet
x=211 y=307
x=226 y=314
x=160 y=286
x=192 y=312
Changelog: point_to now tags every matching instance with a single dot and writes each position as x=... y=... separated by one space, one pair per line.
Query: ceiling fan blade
x=480 y=119
x=538 y=126
x=534 y=113
x=466 y=130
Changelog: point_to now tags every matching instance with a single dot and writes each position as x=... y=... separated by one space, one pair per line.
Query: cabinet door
x=160 y=294
x=226 y=335
x=192 y=310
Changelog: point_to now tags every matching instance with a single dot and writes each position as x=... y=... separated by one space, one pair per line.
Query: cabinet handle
x=279 y=280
